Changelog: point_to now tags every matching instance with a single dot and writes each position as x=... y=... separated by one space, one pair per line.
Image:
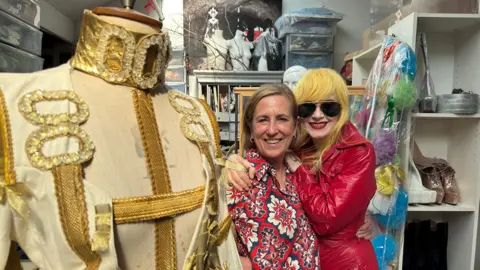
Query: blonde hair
x=264 y=91
x=317 y=85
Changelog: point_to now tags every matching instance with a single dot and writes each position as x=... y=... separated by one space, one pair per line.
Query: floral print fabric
x=272 y=228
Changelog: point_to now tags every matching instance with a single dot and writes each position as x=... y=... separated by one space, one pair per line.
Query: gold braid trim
x=211 y=234
x=215 y=127
x=8 y=166
x=148 y=208
x=165 y=246
x=72 y=208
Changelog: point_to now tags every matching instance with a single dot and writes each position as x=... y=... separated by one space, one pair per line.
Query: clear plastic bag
x=382 y=117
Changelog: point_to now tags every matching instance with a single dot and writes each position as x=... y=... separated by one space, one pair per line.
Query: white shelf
x=363 y=63
x=370 y=54
x=441 y=208
x=444 y=116
x=453 y=49
x=436 y=22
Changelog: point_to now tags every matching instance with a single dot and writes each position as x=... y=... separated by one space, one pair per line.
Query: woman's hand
x=246 y=263
x=293 y=162
x=239 y=179
x=366 y=231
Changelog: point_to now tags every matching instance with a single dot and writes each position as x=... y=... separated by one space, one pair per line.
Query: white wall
x=349 y=34
x=54 y=21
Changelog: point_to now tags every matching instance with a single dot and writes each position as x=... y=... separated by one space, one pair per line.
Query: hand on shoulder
x=293 y=162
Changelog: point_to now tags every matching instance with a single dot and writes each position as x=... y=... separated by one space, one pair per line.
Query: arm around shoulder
x=347 y=194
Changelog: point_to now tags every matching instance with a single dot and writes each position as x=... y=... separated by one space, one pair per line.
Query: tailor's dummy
x=98 y=156
x=292 y=75
x=216 y=51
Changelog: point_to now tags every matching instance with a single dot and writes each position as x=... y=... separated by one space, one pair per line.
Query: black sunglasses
x=330 y=109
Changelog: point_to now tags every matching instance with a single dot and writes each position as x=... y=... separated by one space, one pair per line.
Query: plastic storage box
x=309 y=43
x=319 y=21
x=17 y=61
x=25 y=10
x=309 y=60
x=19 y=34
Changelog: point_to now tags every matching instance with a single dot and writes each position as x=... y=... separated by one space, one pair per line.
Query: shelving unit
x=363 y=63
x=204 y=82
x=454 y=49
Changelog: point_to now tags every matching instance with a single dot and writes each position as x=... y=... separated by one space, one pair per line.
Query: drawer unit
x=225 y=136
x=18 y=61
x=309 y=43
x=222 y=117
x=25 y=10
x=232 y=127
x=232 y=136
x=309 y=60
x=19 y=34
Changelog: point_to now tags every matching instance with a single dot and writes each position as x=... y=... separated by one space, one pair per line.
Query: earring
x=251 y=140
x=294 y=136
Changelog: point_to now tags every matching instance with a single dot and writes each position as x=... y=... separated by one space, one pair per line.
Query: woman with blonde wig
x=335 y=176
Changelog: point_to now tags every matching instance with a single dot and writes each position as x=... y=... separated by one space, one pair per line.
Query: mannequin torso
x=216 y=51
x=122 y=174
x=240 y=51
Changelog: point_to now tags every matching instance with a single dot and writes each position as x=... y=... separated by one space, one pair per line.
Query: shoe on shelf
x=417 y=193
x=431 y=179
x=422 y=160
x=428 y=169
x=452 y=192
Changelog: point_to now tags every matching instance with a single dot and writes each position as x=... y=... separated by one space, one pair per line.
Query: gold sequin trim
x=205 y=256
x=8 y=164
x=122 y=73
x=148 y=208
x=194 y=129
x=183 y=104
x=165 y=246
x=120 y=55
x=53 y=126
x=27 y=108
x=150 y=80
x=215 y=127
x=72 y=208
x=37 y=139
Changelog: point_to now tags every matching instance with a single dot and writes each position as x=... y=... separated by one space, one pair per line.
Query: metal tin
x=458 y=103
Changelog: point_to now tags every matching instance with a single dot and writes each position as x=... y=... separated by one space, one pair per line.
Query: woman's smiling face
x=273 y=127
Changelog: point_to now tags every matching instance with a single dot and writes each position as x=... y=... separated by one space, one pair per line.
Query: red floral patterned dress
x=272 y=227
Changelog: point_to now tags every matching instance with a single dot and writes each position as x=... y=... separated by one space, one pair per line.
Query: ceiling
x=73 y=9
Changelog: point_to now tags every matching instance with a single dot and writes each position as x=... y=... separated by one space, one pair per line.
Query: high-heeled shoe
x=447 y=176
x=422 y=160
x=431 y=179
x=429 y=172
x=417 y=193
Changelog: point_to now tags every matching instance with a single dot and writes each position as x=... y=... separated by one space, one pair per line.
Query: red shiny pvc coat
x=336 y=203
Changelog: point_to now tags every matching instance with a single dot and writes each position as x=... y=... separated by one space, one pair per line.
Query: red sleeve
x=345 y=197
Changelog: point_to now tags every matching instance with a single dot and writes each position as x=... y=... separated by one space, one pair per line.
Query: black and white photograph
x=210 y=26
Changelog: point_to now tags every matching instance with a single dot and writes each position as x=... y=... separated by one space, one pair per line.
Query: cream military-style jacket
x=62 y=215
x=106 y=172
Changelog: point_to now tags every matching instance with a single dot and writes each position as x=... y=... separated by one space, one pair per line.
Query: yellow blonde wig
x=315 y=86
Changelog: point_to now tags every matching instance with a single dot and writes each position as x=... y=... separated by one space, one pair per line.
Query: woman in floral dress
x=272 y=228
